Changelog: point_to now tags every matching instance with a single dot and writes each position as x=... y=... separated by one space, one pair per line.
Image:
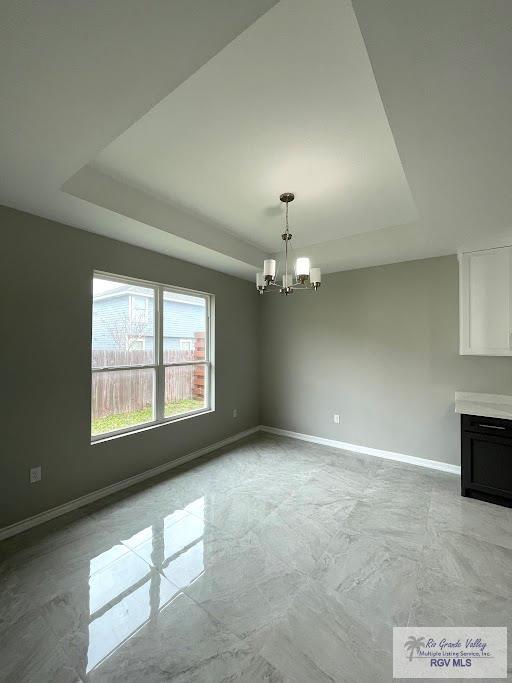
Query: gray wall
x=380 y=347
x=377 y=345
x=46 y=278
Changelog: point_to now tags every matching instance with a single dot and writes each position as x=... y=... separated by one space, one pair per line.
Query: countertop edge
x=482 y=410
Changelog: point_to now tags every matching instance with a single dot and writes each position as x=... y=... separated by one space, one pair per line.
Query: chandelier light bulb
x=269 y=269
x=302 y=267
x=260 y=281
x=315 y=276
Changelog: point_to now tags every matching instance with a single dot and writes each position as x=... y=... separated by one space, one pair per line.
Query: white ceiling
x=291 y=104
x=75 y=75
x=177 y=129
x=444 y=74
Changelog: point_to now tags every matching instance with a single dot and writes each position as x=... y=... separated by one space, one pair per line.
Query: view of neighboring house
x=123 y=319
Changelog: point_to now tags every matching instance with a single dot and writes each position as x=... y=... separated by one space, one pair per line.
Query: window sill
x=101 y=438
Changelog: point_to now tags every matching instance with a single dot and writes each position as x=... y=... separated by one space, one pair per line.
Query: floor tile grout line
x=307 y=577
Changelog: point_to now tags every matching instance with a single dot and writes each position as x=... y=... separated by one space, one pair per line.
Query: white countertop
x=484 y=405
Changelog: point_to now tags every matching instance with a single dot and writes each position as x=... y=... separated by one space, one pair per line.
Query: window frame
x=158 y=365
x=132 y=308
x=185 y=344
x=141 y=340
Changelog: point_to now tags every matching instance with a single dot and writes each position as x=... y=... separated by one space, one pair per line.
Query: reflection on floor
x=119 y=584
x=272 y=560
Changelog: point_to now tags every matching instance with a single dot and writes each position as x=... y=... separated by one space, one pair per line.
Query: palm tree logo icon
x=413 y=644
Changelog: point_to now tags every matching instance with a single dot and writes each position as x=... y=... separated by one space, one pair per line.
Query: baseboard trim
x=376 y=452
x=47 y=515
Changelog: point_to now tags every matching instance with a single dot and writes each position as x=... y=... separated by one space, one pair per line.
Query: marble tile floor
x=271 y=560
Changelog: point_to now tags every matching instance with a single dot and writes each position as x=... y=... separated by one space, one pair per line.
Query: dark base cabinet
x=486 y=459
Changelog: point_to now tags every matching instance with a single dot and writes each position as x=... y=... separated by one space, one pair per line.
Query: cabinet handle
x=492 y=426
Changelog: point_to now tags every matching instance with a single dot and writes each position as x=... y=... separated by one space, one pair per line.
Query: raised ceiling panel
x=291 y=104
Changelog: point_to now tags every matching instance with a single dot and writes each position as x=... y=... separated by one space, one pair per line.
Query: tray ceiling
x=177 y=129
x=291 y=104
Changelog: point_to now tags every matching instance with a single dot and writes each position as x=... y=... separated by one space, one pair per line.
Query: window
x=151 y=354
x=139 y=308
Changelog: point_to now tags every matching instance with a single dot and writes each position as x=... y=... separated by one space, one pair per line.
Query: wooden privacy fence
x=125 y=391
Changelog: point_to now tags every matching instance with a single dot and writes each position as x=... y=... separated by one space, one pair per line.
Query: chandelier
x=306 y=278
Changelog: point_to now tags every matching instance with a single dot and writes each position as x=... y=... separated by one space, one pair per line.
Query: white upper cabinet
x=485 y=302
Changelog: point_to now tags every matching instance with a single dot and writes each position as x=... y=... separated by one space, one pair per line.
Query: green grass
x=111 y=423
x=183 y=406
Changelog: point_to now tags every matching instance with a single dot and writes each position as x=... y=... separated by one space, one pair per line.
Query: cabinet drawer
x=487 y=425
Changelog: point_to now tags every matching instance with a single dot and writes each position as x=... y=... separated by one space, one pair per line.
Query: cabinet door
x=485 y=301
x=487 y=464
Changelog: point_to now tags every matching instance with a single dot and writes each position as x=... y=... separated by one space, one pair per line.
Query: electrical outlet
x=336 y=419
x=235 y=412
x=35 y=474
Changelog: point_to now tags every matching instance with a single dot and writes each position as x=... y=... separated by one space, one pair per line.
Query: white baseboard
x=377 y=452
x=24 y=524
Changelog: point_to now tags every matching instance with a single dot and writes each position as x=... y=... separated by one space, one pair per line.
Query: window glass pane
x=121 y=399
x=184 y=327
x=123 y=324
x=186 y=389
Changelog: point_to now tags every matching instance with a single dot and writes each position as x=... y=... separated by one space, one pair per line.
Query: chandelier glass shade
x=301 y=277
